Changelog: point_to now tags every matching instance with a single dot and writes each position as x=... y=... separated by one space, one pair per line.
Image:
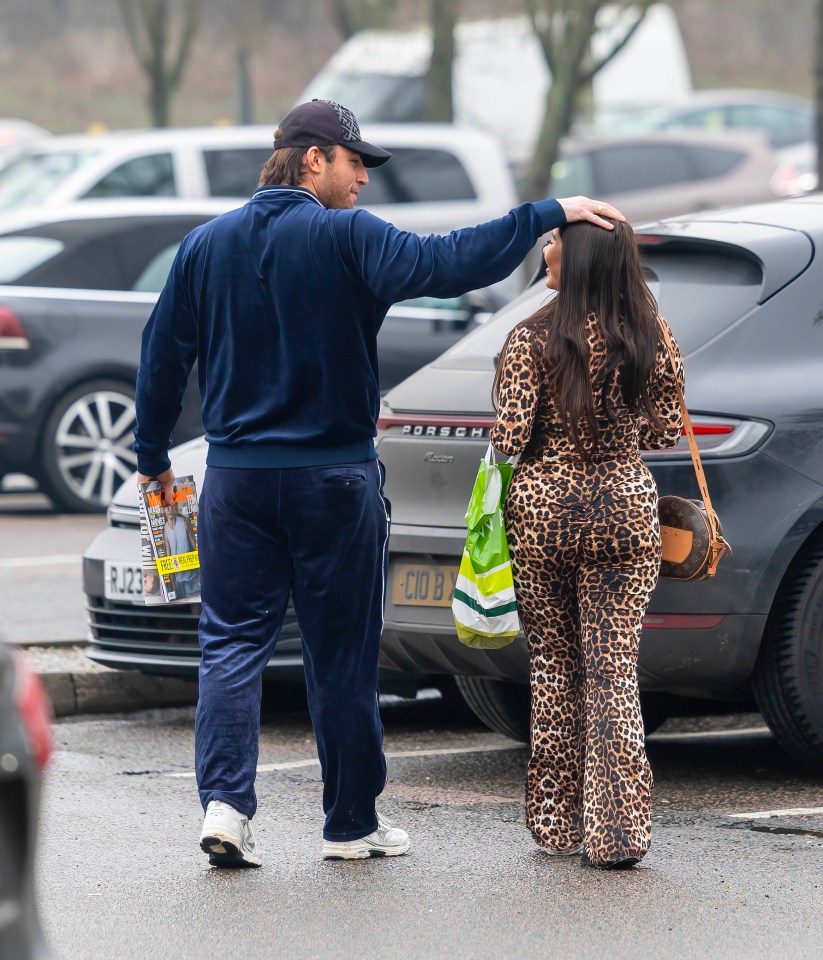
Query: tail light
x=718 y=437
x=792 y=181
x=12 y=334
x=35 y=711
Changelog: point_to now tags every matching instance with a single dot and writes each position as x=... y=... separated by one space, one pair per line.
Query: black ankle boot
x=625 y=864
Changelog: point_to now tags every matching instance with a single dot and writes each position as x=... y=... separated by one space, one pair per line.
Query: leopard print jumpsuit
x=585 y=546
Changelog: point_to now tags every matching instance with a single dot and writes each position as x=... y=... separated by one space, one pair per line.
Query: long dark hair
x=600 y=274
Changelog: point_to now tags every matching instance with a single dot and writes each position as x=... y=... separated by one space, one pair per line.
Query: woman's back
x=621 y=432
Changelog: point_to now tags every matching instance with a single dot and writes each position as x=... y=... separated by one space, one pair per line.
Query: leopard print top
x=528 y=422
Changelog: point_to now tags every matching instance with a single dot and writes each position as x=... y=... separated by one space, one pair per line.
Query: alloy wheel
x=92 y=443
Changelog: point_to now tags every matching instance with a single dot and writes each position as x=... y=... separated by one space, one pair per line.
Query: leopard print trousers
x=585 y=545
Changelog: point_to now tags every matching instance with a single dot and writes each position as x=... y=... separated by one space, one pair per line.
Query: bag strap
x=718 y=544
x=490 y=456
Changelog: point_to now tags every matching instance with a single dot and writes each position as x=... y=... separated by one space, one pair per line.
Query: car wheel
x=505 y=707
x=788 y=676
x=86 y=452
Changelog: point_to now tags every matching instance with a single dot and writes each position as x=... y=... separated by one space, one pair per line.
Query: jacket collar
x=285 y=193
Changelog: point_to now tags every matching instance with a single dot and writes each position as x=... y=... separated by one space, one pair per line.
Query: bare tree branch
x=146 y=24
x=819 y=90
x=565 y=29
x=438 y=105
x=644 y=5
x=191 y=21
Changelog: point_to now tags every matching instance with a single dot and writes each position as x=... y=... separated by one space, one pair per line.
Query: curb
x=77 y=685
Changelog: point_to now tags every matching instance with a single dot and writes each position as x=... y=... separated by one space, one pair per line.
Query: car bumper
x=162 y=639
x=17 y=448
x=705 y=653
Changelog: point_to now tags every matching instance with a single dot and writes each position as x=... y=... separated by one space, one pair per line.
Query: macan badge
x=432 y=457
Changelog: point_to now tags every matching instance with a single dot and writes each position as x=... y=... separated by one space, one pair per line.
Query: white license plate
x=123 y=581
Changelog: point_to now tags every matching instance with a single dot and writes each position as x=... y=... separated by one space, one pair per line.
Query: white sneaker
x=227 y=837
x=385 y=841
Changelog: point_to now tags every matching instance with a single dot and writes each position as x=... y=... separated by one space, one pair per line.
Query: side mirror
x=481 y=304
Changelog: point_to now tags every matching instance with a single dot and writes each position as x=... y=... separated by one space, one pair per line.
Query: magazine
x=171 y=565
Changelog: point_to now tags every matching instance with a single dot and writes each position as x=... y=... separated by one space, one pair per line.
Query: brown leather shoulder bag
x=690 y=533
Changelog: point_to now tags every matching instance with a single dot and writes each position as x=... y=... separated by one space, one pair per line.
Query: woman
x=581 y=386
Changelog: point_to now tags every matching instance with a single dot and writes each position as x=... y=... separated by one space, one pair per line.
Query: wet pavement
x=731 y=873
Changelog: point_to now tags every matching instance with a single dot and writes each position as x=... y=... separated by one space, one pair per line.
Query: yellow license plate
x=423 y=584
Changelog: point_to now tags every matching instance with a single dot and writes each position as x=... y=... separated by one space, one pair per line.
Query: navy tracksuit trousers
x=321 y=534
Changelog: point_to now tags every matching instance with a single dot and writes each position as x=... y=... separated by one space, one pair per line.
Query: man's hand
x=166 y=478
x=581 y=208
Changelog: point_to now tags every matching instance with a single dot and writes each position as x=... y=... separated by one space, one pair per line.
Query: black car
x=743 y=292
x=77 y=285
x=25 y=746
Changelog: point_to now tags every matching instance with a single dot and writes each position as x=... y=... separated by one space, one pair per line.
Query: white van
x=500 y=73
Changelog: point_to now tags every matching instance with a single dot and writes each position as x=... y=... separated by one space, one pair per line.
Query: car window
x=418 y=176
x=21 y=255
x=371 y=97
x=153 y=278
x=572 y=176
x=149 y=176
x=234 y=172
x=713 y=162
x=699 y=293
x=707 y=118
x=639 y=166
x=110 y=253
x=31 y=178
x=784 y=125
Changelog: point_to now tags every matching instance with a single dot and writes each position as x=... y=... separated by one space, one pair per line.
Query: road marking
x=55 y=559
x=390 y=755
x=766 y=814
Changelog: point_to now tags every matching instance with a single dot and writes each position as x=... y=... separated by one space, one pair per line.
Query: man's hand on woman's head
x=582 y=208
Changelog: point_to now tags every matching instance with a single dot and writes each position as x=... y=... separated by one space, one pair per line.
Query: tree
x=565 y=29
x=162 y=57
x=818 y=86
x=353 y=15
x=438 y=106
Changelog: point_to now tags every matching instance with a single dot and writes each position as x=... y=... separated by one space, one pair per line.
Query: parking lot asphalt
x=734 y=870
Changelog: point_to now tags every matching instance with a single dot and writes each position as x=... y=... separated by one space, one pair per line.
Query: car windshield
x=21 y=255
x=372 y=97
x=32 y=177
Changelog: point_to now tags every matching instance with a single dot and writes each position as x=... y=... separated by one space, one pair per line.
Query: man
x=280 y=302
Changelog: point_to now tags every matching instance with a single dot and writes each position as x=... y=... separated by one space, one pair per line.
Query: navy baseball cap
x=324 y=123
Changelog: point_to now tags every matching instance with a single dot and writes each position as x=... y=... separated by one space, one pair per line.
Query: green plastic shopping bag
x=484 y=607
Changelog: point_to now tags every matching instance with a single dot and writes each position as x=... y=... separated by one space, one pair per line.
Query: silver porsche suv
x=742 y=290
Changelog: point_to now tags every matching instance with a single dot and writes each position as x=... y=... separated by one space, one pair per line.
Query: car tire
x=501 y=705
x=86 y=449
x=788 y=675
x=505 y=707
